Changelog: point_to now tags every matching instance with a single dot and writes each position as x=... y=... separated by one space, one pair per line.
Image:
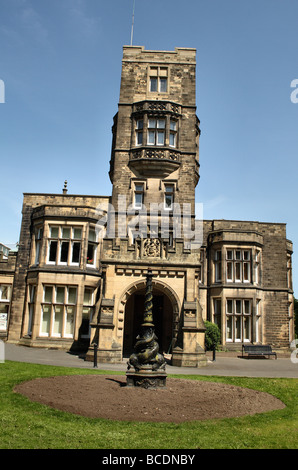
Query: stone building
x=79 y=276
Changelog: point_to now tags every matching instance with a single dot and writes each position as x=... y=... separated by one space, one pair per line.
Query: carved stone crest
x=151 y=247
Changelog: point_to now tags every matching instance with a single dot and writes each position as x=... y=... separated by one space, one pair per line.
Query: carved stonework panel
x=151 y=247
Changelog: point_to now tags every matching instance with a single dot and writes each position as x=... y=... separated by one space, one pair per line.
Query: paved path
x=223 y=366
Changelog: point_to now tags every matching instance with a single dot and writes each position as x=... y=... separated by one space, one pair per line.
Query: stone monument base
x=146 y=378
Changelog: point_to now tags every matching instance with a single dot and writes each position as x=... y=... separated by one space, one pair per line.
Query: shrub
x=212 y=336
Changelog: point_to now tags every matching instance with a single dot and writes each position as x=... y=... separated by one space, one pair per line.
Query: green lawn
x=27 y=425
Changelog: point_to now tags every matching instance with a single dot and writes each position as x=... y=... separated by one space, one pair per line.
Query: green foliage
x=212 y=336
x=30 y=425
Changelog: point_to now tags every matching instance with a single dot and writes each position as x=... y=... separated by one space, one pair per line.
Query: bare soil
x=104 y=396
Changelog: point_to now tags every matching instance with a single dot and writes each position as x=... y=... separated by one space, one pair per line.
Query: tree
x=212 y=336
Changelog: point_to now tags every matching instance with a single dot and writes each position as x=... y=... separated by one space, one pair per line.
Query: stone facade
x=79 y=276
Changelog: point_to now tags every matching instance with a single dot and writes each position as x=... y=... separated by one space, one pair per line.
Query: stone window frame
x=160 y=75
x=5 y=305
x=32 y=288
x=138 y=192
x=170 y=131
x=217 y=262
x=53 y=304
x=238 y=265
x=38 y=243
x=238 y=319
x=92 y=247
x=62 y=242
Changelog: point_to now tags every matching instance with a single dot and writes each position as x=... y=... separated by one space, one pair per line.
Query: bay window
x=58 y=311
x=238 y=265
x=64 y=245
x=238 y=320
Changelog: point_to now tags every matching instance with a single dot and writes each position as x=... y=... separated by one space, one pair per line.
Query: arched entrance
x=165 y=317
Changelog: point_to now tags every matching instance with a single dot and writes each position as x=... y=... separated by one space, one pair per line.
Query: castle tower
x=154 y=170
x=156 y=131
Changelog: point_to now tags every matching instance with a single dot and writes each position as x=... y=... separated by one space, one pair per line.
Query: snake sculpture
x=146 y=347
x=146 y=351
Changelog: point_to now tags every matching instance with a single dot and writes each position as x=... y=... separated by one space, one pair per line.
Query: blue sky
x=60 y=61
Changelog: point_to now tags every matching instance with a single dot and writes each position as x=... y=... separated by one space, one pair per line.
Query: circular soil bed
x=103 y=396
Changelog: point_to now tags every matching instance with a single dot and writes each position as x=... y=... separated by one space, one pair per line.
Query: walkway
x=223 y=365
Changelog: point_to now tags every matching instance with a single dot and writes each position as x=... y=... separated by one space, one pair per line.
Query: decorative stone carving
x=151 y=247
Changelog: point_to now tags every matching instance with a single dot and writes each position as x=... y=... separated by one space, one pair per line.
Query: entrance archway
x=165 y=316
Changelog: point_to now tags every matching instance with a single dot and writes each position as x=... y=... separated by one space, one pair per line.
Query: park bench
x=258 y=350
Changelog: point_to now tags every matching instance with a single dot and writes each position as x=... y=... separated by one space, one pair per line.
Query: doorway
x=162 y=319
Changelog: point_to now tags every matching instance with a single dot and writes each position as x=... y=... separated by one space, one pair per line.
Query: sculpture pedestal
x=146 y=378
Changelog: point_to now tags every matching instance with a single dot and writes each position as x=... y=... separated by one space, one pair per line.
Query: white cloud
x=33 y=22
x=85 y=24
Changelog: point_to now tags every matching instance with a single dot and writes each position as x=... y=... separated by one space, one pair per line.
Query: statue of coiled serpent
x=146 y=347
x=147 y=351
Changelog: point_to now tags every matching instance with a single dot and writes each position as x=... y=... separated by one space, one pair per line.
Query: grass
x=28 y=425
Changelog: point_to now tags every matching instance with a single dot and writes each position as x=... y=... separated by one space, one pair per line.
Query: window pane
x=65 y=232
x=153 y=84
x=229 y=306
x=238 y=254
x=48 y=294
x=64 y=252
x=46 y=319
x=237 y=328
x=247 y=307
x=139 y=138
x=92 y=235
x=58 y=320
x=163 y=85
x=54 y=231
x=53 y=251
x=88 y=297
x=5 y=292
x=238 y=306
x=229 y=254
x=138 y=200
x=230 y=271
x=246 y=328
x=160 y=138
x=168 y=201
x=229 y=328
x=3 y=316
x=140 y=124
x=60 y=295
x=4 y=309
x=69 y=323
x=152 y=123
x=173 y=125
x=173 y=140
x=72 y=295
x=237 y=271
x=246 y=271
x=76 y=249
x=90 y=253
x=77 y=233
x=161 y=123
x=151 y=137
